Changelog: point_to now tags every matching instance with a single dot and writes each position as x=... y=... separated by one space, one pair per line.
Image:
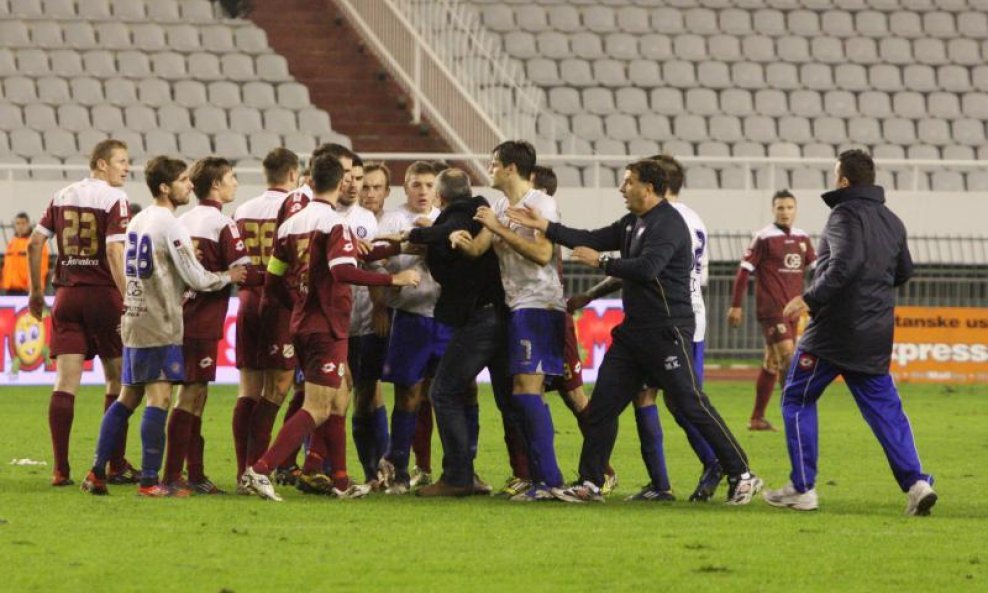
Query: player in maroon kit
x=316 y=253
x=219 y=247
x=778 y=256
x=89 y=221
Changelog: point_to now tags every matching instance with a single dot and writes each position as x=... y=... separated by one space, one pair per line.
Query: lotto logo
x=328 y=368
x=793 y=261
x=806 y=361
x=287 y=350
x=672 y=363
x=781 y=328
x=205 y=363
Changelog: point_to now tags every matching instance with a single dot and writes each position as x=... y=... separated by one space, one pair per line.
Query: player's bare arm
x=34 y=253
x=471 y=246
x=537 y=250
x=604 y=287
x=115 y=259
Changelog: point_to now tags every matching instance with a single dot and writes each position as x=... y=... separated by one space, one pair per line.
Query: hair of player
x=440 y=166
x=356 y=160
x=857 y=167
x=650 y=171
x=416 y=168
x=327 y=173
x=278 y=165
x=783 y=194
x=519 y=153
x=675 y=174
x=162 y=169
x=544 y=178
x=453 y=184
x=103 y=151
x=22 y=216
x=337 y=151
x=376 y=166
x=207 y=171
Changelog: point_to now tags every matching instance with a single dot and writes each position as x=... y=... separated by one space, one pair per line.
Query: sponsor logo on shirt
x=793 y=261
x=205 y=363
x=287 y=350
x=671 y=363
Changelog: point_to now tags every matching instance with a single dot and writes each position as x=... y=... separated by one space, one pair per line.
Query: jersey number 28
x=140 y=256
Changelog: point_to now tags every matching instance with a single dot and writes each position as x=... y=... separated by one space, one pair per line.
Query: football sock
x=298 y=398
x=539 y=433
x=61 y=410
x=117 y=461
x=316 y=456
x=764 y=386
x=335 y=434
x=382 y=438
x=473 y=428
x=363 y=438
x=261 y=424
x=422 y=442
x=289 y=438
x=152 y=443
x=242 y=412
x=110 y=430
x=196 y=451
x=514 y=440
x=179 y=437
x=650 y=435
x=402 y=432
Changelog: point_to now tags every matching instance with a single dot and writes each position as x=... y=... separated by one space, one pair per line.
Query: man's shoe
x=707 y=485
x=58 y=480
x=653 y=494
x=585 y=492
x=94 y=485
x=314 y=484
x=179 y=489
x=742 y=489
x=480 y=487
x=154 y=491
x=419 y=478
x=921 y=499
x=514 y=486
x=205 y=486
x=385 y=473
x=287 y=476
x=537 y=493
x=610 y=483
x=259 y=484
x=790 y=498
x=128 y=475
x=441 y=488
x=398 y=487
x=761 y=424
x=353 y=490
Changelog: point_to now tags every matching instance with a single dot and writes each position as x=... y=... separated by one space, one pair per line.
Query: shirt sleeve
x=340 y=249
x=116 y=222
x=607 y=238
x=232 y=246
x=184 y=257
x=46 y=226
x=753 y=254
x=810 y=254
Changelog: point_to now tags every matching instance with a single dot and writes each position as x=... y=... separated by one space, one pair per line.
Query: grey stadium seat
x=667 y=101
x=748 y=75
x=947 y=181
x=851 y=77
x=107 y=118
x=690 y=47
x=174 y=118
x=129 y=10
x=609 y=146
x=133 y=64
x=939 y=24
x=32 y=62
x=724 y=48
x=169 y=65
x=540 y=71
x=66 y=63
x=968 y=132
x=769 y=22
x=641 y=147
x=816 y=76
x=192 y=93
x=715 y=149
x=934 y=131
x=293 y=95
x=861 y=50
x=148 y=36
x=134 y=140
x=701 y=21
x=599 y=19
x=736 y=102
x=498 y=17
x=827 y=50
x=645 y=73
x=520 y=44
x=154 y=92
x=39 y=174
x=263 y=142
x=702 y=101
x=163 y=11
x=756 y=48
x=565 y=100
x=725 y=128
x=232 y=145
x=803 y=103
x=14 y=34
x=782 y=76
x=194 y=144
x=679 y=74
x=667 y=20
x=655 y=47
x=885 y=77
x=576 y=72
x=973 y=24
x=896 y=50
x=621 y=126
x=40 y=117
x=20 y=90
x=954 y=78
x=598 y=100
x=11 y=116
x=183 y=37
x=655 y=127
x=238 y=67
x=899 y=131
x=113 y=35
x=632 y=101
x=804 y=178
x=94 y=9
x=60 y=143
x=713 y=75
x=141 y=118
x=272 y=67
x=204 y=66
x=875 y=104
x=700 y=177
x=964 y=52
x=633 y=19
x=760 y=128
x=871 y=23
x=905 y=24
x=46 y=34
x=53 y=90
x=621 y=46
x=26 y=143
x=795 y=129
x=209 y=119
x=251 y=39
x=803 y=22
x=532 y=18
x=196 y=10
x=840 y=104
x=28 y=8
x=588 y=126
x=226 y=94
x=216 y=38
x=568 y=176
x=735 y=21
x=784 y=150
x=314 y=121
x=909 y=104
x=8 y=66
x=864 y=130
x=975 y=105
x=120 y=91
x=281 y=119
x=958 y=153
x=73 y=118
x=245 y=119
x=553 y=44
x=919 y=77
x=586 y=45
x=299 y=142
x=691 y=128
x=944 y=105
x=99 y=63
x=930 y=51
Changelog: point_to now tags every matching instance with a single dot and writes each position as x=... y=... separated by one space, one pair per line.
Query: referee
x=653 y=342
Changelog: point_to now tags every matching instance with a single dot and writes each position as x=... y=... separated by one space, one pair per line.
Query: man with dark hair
x=88 y=220
x=544 y=179
x=15 y=279
x=218 y=246
x=864 y=256
x=160 y=263
x=778 y=255
x=651 y=345
x=316 y=253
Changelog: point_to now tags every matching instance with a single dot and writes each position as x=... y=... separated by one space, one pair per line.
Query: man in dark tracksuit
x=863 y=256
x=472 y=303
x=654 y=342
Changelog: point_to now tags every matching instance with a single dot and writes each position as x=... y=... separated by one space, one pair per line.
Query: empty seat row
x=155 y=92
x=147 y=36
x=569 y=18
x=851 y=5
x=134 y=10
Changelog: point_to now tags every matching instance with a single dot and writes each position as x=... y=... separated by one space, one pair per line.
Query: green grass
x=59 y=539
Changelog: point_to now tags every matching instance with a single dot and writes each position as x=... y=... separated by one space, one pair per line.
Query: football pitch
x=61 y=539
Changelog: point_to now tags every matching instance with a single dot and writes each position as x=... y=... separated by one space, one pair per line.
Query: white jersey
x=420 y=300
x=160 y=262
x=363 y=223
x=528 y=285
x=701 y=261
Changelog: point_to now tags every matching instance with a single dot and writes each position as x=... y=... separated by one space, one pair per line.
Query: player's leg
x=653 y=453
x=111 y=429
x=422 y=443
x=153 y=427
x=121 y=470
x=179 y=431
x=195 y=459
x=251 y=353
x=61 y=412
x=334 y=432
x=289 y=470
x=249 y=393
x=880 y=404
x=276 y=383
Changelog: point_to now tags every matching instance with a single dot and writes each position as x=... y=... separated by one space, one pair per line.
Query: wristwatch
x=602 y=260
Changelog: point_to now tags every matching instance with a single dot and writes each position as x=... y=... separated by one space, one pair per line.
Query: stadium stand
x=795 y=78
x=167 y=76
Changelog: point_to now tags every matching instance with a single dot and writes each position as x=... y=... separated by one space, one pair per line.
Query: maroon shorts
x=572 y=377
x=322 y=358
x=777 y=330
x=252 y=352
x=200 y=359
x=86 y=320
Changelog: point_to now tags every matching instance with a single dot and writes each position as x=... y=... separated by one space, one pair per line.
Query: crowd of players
x=338 y=294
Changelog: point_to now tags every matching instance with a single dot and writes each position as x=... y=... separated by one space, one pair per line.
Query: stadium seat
x=263 y=142
x=163 y=11
x=885 y=77
x=148 y=37
x=26 y=8
x=107 y=118
x=702 y=101
x=32 y=62
x=251 y=39
x=113 y=35
x=133 y=64
x=66 y=63
x=99 y=63
x=8 y=66
x=196 y=10
x=840 y=104
x=129 y=10
x=553 y=44
x=192 y=93
x=169 y=65
x=968 y=132
x=38 y=116
x=60 y=143
x=736 y=102
x=646 y=73
x=204 y=66
x=238 y=67
x=42 y=174
x=226 y=94
x=272 y=67
x=575 y=72
x=758 y=48
x=194 y=144
x=140 y=118
x=292 y=95
x=154 y=92
x=958 y=153
x=26 y=143
x=160 y=142
x=245 y=119
x=314 y=121
x=655 y=127
x=621 y=126
x=14 y=34
x=735 y=22
x=780 y=75
x=667 y=20
x=724 y=48
x=73 y=118
x=586 y=45
x=621 y=46
x=713 y=149
x=174 y=118
x=633 y=19
x=610 y=73
x=94 y=9
x=588 y=126
x=875 y=104
x=281 y=119
x=53 y=90
x=47 y=35
x=209 y=119
x=20 y=90
x=183 y=37
x=216 y=38
x=943 y=105
x=120 y=91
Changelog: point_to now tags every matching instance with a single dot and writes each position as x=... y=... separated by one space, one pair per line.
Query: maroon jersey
x=257 y=220
x=218 y=247
x=778 y=258
x=83 y=218
x=294 y=203
x=312 y=242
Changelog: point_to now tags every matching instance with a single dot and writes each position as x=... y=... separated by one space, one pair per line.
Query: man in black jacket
x=472 y=303
x=653 y=343
x=863 y=256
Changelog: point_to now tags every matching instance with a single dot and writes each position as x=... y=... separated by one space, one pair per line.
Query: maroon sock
x=517 y=455
x=335 y=433
x=293 y=407
x=261 y=423
x=179 y=434
x=194 y=459
x=422 y=442
x=289 y=437
x=764 y=386
x=242 y=411
x=61 y=410
x=317 y=453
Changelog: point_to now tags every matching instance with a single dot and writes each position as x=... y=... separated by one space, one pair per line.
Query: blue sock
x=540 y=433
x=110 y=429
x=473 y=428
x=153 y=443
x=363 y=439
x=650 y=435
x=382 y=440
x=402 y=433
x=704 y=452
